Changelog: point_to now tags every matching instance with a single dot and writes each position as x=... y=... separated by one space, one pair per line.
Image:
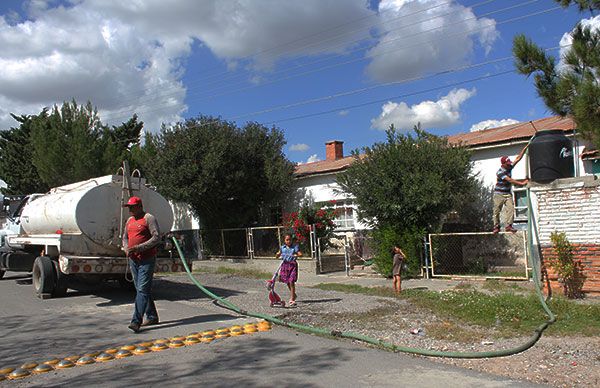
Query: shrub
x=569 y=270
x=298 y=223
x=409 y=240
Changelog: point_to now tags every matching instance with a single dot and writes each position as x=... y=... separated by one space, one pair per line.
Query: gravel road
x=560 y=362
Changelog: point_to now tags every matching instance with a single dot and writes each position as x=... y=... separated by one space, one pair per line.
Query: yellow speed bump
x=264 y=326
x=222 y=330
x=178 y=338
x=236 y=327
x=146 y=344
x=123 y=353
x=18 y=373
x=128 y=347
x=64 y=364
x=176 y=344
x=222 y=335
x=85 y=360
x=103 y=357
x=157 y=347
x=42 y=368
x=29 y=365
x=209 y=332
x=52 y=361
x=5 y=371
x=194 y=334
x=72 y=358
x=236 y=330
x=191 y=340
x=162 y=341
x=250 y=328
x=92 y=354
x=207 y=338
x=111 y=351
x=141 y=350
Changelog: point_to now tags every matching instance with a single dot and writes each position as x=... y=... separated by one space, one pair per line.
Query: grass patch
x=496 y=285
x=241 y=272
x=509 y=313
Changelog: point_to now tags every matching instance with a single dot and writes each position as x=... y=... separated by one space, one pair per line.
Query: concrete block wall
x=571 y=206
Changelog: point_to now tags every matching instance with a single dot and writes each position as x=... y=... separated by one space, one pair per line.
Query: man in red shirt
x=139 y=243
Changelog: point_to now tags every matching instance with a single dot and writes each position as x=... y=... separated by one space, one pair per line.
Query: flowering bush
x=299 y=224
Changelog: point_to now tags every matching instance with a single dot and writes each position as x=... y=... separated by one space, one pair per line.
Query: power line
x=394 y=97
x=162 y=95
x=404 y=47
x=251 y=56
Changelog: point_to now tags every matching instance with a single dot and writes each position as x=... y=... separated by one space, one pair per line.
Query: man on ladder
x=502 y=194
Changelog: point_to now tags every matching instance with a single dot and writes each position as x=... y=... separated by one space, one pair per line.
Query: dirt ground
x=559 y=362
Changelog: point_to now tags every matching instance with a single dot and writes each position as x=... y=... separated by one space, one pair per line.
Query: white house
x=489 y=145
x=316 y=183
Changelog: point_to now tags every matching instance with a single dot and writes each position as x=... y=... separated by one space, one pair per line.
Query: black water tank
x=550 y=156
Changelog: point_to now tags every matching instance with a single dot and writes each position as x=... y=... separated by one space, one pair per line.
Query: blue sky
x=235 y=59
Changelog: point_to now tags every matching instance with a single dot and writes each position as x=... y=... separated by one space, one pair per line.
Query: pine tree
x=572 y=89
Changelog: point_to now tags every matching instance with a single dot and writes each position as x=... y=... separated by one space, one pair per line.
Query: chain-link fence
x=225 y=243
x=265 y=241
x=502 y=255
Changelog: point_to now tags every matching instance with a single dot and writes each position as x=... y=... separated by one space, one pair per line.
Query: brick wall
x=571 y=206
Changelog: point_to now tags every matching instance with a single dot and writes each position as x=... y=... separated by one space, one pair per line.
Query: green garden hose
x=387 y=345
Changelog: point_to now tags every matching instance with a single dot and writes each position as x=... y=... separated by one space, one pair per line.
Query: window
x=520 y=204
x=345 y=213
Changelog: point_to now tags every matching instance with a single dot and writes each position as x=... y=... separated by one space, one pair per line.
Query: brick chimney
x=334 y=150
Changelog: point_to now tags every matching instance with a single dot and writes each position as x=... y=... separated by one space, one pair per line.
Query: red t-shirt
x=137 y=233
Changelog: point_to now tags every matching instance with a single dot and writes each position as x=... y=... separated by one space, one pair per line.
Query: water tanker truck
x=74 y=232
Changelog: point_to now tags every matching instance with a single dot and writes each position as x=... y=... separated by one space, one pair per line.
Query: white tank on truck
x=76 y=231
x=91 y=212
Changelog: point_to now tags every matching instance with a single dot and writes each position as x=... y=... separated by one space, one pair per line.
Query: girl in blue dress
x=288 y=273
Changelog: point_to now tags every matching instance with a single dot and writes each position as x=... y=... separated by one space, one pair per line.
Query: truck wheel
x=62 y=281
x=1 y=273
x=43 y=276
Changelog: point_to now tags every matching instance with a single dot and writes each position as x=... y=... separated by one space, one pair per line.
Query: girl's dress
x=397 y=265
x=288 y=273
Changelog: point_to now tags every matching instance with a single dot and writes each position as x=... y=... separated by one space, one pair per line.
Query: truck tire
x=62 y=281
x=1 y=273
x=43 y=276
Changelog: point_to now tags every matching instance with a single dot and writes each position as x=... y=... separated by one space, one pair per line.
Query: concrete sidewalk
x=307 y=277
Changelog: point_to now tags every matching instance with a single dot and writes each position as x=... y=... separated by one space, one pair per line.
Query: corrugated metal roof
x=512 y=132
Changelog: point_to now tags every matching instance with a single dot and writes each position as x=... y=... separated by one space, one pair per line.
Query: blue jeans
x=143 y=272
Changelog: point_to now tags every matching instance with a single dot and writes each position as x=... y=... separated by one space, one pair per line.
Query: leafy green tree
x=408 y=181
x=230 y=176
x=404 y=186
x=572 y=89
x=67 y=144
x=120 y=142
x=16 y=166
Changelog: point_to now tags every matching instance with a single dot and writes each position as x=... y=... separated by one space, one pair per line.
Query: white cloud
x=299 y=147
x=343 y=112
x=567 y=40
x=313 y=158
x=129 y=56
x=438 y=114
x=487 y=124
x=426 y=43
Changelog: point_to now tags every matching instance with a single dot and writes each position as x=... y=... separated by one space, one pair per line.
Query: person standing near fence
x=398 y=260
x=502 y=191
x=288 y=272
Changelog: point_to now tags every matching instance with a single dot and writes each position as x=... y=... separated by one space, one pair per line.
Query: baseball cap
x=505 y=160
x=133 y=201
